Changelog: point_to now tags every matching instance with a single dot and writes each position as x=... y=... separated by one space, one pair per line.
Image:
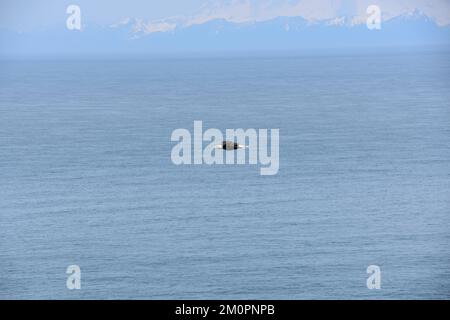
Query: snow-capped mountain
x=330 y=12
x=250 y=25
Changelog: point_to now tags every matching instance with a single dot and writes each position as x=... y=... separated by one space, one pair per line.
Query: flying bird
x=229 y=145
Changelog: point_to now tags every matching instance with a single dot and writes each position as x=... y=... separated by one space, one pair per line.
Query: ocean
x=86 y=178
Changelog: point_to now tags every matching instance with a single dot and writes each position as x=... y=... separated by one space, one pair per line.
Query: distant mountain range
x=239 y=25
x=331 y=12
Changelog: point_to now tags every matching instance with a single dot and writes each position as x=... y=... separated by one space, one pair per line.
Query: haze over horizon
x=196 y=25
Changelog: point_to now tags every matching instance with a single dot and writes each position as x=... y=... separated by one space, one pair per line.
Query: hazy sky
x=23 y=15
x=28 y=15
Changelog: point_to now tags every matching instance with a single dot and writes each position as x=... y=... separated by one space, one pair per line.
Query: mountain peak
x=327 y=12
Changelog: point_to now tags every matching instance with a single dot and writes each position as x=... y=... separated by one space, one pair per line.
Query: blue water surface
x=86 y=178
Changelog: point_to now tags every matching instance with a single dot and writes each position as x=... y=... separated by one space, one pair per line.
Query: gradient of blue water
x=86 y=178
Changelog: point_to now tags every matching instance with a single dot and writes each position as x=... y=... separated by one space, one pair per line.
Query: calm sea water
x=86 y=178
